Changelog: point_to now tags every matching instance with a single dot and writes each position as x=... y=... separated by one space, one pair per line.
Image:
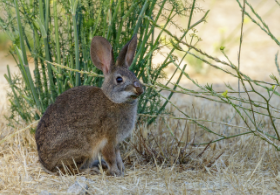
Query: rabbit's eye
x=119 y=79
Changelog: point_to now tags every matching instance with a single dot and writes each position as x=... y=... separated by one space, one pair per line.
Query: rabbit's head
x=120 y=84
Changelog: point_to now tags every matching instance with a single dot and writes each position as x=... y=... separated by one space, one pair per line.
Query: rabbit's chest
x=125 y=125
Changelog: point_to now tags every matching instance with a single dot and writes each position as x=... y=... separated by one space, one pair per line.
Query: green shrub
x=58 y=31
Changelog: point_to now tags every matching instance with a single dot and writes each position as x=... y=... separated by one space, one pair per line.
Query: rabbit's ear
x=101 y=54
x=126 y=55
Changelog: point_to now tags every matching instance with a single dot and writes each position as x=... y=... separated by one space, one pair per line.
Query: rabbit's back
x=80 y=121
x=74 y=105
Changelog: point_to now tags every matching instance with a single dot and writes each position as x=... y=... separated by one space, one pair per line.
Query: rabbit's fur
x=85 y=120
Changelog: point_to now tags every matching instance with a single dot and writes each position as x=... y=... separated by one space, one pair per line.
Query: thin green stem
x=58 y=53
x=240 y=43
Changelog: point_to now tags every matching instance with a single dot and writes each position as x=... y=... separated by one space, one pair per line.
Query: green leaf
x=225 y=94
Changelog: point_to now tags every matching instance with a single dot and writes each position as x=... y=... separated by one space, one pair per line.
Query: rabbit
x=86 y=120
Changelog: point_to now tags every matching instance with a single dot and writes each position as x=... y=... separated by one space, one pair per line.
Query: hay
x=246 y=165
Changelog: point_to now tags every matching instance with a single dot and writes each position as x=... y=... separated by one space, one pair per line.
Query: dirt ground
x=247 y=166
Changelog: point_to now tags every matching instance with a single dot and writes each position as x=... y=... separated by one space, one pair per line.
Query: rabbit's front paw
x=120 y=166
x=114 y=172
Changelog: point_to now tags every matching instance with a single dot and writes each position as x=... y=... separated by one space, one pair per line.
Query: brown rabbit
x=85 y=120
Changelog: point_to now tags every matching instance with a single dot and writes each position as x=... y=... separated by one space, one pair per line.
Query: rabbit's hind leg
x=91 y=171
x=87 y=168
x=97 y=163
x=91 y=165
x=94 y=167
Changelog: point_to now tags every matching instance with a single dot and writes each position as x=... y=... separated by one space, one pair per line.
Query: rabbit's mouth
x=134 y=96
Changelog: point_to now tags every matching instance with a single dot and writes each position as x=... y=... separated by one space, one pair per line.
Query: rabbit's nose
x=138 y=88
x=136 y=84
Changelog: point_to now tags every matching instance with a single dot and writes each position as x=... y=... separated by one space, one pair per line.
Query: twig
x=276 y=62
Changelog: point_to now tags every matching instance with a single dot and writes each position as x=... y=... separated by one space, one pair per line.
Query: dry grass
x=155 y=162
